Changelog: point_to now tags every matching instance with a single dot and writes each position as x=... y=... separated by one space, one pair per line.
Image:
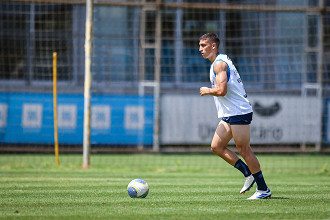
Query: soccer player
x=235 y=112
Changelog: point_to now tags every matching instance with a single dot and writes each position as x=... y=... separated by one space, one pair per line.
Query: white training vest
x=235 y=102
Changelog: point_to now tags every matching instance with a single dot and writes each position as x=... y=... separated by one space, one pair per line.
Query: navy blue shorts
x=238 y=119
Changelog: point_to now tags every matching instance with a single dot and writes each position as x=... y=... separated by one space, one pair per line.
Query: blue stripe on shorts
x=238 y=119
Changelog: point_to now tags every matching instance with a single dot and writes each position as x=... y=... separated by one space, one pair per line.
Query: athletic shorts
x=238 y=119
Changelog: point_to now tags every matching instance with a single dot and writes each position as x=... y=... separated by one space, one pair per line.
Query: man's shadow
x=278 y=197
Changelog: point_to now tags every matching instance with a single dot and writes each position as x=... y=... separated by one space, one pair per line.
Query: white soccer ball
x=138 y=188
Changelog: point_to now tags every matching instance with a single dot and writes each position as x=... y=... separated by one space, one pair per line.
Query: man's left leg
x=241 y=135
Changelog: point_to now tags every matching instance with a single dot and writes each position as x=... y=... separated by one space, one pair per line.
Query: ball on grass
x=138 y=188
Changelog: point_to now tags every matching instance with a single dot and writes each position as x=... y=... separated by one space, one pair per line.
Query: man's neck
x=213 y=57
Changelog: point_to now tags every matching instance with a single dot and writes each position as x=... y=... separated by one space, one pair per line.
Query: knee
x=241 y=151
x=216 y=149
x=213 y=148
x=244 y=151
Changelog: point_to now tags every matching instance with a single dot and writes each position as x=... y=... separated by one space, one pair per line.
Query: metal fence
x=145 y=58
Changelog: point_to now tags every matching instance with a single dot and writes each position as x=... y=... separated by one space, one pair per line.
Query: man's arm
x=220 y=70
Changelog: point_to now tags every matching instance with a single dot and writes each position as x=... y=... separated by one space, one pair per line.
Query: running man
x=235 y=112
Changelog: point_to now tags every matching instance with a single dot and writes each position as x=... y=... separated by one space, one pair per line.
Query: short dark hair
x=212 y=38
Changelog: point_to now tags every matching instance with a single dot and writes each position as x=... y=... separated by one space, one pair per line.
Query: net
x=147 y=71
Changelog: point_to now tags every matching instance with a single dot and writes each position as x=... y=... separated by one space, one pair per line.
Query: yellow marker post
x=55 y=106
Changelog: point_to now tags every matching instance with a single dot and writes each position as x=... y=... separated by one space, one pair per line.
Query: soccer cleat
x=248 y=183
x=259 y=194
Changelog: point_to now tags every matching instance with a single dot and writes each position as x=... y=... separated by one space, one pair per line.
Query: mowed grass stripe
x=209 y=190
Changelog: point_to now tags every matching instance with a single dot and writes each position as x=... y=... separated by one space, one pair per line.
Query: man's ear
x=214 y=45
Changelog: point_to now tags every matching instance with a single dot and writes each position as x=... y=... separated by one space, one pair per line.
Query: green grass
x=181 y=187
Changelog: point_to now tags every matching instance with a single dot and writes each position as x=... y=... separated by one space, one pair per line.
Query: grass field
x=181 y=187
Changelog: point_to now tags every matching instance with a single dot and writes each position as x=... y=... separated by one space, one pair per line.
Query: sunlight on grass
x=181 y=187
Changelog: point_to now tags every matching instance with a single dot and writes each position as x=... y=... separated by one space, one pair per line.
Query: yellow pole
x=55 y=106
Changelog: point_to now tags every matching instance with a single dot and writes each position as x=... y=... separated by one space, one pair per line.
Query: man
x=235 y=112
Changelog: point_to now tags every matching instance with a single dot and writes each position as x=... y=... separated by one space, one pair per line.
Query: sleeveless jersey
x=235 y=102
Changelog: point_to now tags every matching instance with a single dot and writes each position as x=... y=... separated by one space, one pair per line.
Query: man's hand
x=204 y=91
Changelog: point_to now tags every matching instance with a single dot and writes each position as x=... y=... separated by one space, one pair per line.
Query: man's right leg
x=219 y=143
x=222 y=136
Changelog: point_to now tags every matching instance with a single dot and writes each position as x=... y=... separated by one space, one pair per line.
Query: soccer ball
x=138 y=188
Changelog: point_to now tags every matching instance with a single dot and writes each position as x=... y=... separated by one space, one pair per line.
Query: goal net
x=147 y=70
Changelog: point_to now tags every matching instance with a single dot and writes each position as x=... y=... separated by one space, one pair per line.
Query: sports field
x=181 y=187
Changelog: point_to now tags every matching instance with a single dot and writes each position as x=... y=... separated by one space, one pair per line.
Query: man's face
x=206 y=48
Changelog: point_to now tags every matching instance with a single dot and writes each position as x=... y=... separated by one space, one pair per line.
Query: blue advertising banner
x=115 y=120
